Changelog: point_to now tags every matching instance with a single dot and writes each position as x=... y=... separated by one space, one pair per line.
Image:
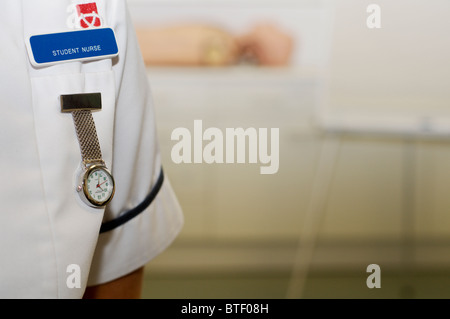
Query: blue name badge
x=82 y=45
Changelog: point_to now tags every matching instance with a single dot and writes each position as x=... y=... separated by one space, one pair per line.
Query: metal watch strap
x=81 y=105
x=87 y=136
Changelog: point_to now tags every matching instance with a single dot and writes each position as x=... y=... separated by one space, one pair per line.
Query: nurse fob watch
x=95 y=184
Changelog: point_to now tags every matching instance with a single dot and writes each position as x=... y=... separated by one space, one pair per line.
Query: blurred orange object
x=187 y=45
x=267 y=45
x=204 y=45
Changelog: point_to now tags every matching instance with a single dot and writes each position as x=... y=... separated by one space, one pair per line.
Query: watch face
x=98 y=186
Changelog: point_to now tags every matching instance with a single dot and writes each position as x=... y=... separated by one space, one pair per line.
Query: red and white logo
x=84 y=16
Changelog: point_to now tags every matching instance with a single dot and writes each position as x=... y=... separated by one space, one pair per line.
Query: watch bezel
x=92 y=202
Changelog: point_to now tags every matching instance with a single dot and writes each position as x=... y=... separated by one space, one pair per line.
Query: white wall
x=257 y=219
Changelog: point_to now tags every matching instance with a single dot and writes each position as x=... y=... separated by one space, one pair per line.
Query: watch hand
x=101 y=183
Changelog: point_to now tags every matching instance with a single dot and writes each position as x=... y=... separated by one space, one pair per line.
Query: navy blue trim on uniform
x=127 y=216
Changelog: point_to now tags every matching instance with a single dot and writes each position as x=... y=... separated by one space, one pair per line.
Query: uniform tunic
x=45 y=229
